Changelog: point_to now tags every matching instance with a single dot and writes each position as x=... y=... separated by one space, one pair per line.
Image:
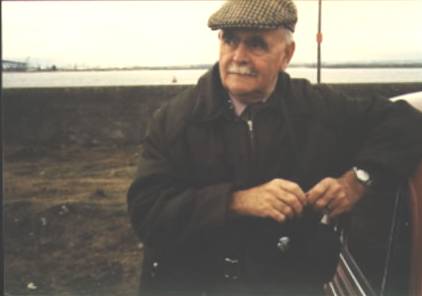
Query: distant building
x=7 y=65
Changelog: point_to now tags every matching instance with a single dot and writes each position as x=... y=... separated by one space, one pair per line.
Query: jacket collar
x=211 y=99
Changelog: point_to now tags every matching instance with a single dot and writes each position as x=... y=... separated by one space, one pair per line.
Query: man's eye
x=230 y=40
x=257 y=44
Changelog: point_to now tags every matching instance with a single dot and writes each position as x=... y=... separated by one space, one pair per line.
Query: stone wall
x=110 y=115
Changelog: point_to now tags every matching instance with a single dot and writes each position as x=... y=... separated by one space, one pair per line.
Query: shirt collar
x=239 y=106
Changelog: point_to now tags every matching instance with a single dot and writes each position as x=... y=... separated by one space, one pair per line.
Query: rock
x=100 y=193
x=31 y=286
x=63 y=210
x=117 y=134
x=43 y=221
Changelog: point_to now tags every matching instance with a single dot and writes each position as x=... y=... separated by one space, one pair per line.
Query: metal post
x=319 y=41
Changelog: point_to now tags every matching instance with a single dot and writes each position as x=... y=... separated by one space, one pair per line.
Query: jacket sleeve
x=394 y=141
x=164 y=205
x=387 y=135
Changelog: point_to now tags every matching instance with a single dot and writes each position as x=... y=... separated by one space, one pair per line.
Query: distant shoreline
x=205 y=67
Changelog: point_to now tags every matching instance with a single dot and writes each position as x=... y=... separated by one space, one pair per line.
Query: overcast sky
x=149 y=33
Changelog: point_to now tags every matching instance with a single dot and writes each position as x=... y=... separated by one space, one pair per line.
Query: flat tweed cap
x=255 y=14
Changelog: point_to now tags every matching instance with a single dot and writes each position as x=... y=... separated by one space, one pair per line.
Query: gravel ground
x=66 y=227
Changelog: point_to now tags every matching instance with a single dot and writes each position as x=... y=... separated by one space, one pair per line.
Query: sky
x=160 y=33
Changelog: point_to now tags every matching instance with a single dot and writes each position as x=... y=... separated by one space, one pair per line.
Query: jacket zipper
x=251 y=135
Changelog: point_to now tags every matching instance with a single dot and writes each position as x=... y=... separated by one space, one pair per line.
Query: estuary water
x=166 y=77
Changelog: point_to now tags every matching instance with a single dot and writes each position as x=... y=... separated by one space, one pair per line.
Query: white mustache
x=242 y=69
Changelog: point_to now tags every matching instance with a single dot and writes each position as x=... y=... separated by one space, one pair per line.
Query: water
x=165 y=77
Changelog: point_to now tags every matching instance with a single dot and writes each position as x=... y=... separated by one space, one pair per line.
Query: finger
x=286 y=210
x=292 y=202
x=333 y=189
x=316 y=192
x=339 y=207
x=334 y=196
x=294 y=189
x=282 y=207
x=327 y=198
x=329 y=208
x=340 y=201
x=277 y=216
x=280 y=187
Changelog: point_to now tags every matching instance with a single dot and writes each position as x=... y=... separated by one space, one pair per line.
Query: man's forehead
x=251 y=32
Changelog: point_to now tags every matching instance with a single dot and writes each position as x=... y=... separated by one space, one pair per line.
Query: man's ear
x=288 y=54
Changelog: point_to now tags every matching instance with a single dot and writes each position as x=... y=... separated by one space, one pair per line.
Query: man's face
x=251 y=60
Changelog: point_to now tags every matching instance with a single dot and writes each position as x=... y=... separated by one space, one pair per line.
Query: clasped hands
x=280 y=199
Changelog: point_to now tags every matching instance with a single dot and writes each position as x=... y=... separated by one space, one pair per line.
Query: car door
x=382 y=239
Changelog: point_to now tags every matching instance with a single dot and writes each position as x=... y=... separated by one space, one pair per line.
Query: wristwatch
x=362 y=176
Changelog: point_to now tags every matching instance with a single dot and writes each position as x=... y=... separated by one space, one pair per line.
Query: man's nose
x=240 y=53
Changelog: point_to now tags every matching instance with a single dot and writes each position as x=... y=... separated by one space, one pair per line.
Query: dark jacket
x=197 y=152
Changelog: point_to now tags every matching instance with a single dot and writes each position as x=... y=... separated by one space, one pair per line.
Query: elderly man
x=236 y=173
